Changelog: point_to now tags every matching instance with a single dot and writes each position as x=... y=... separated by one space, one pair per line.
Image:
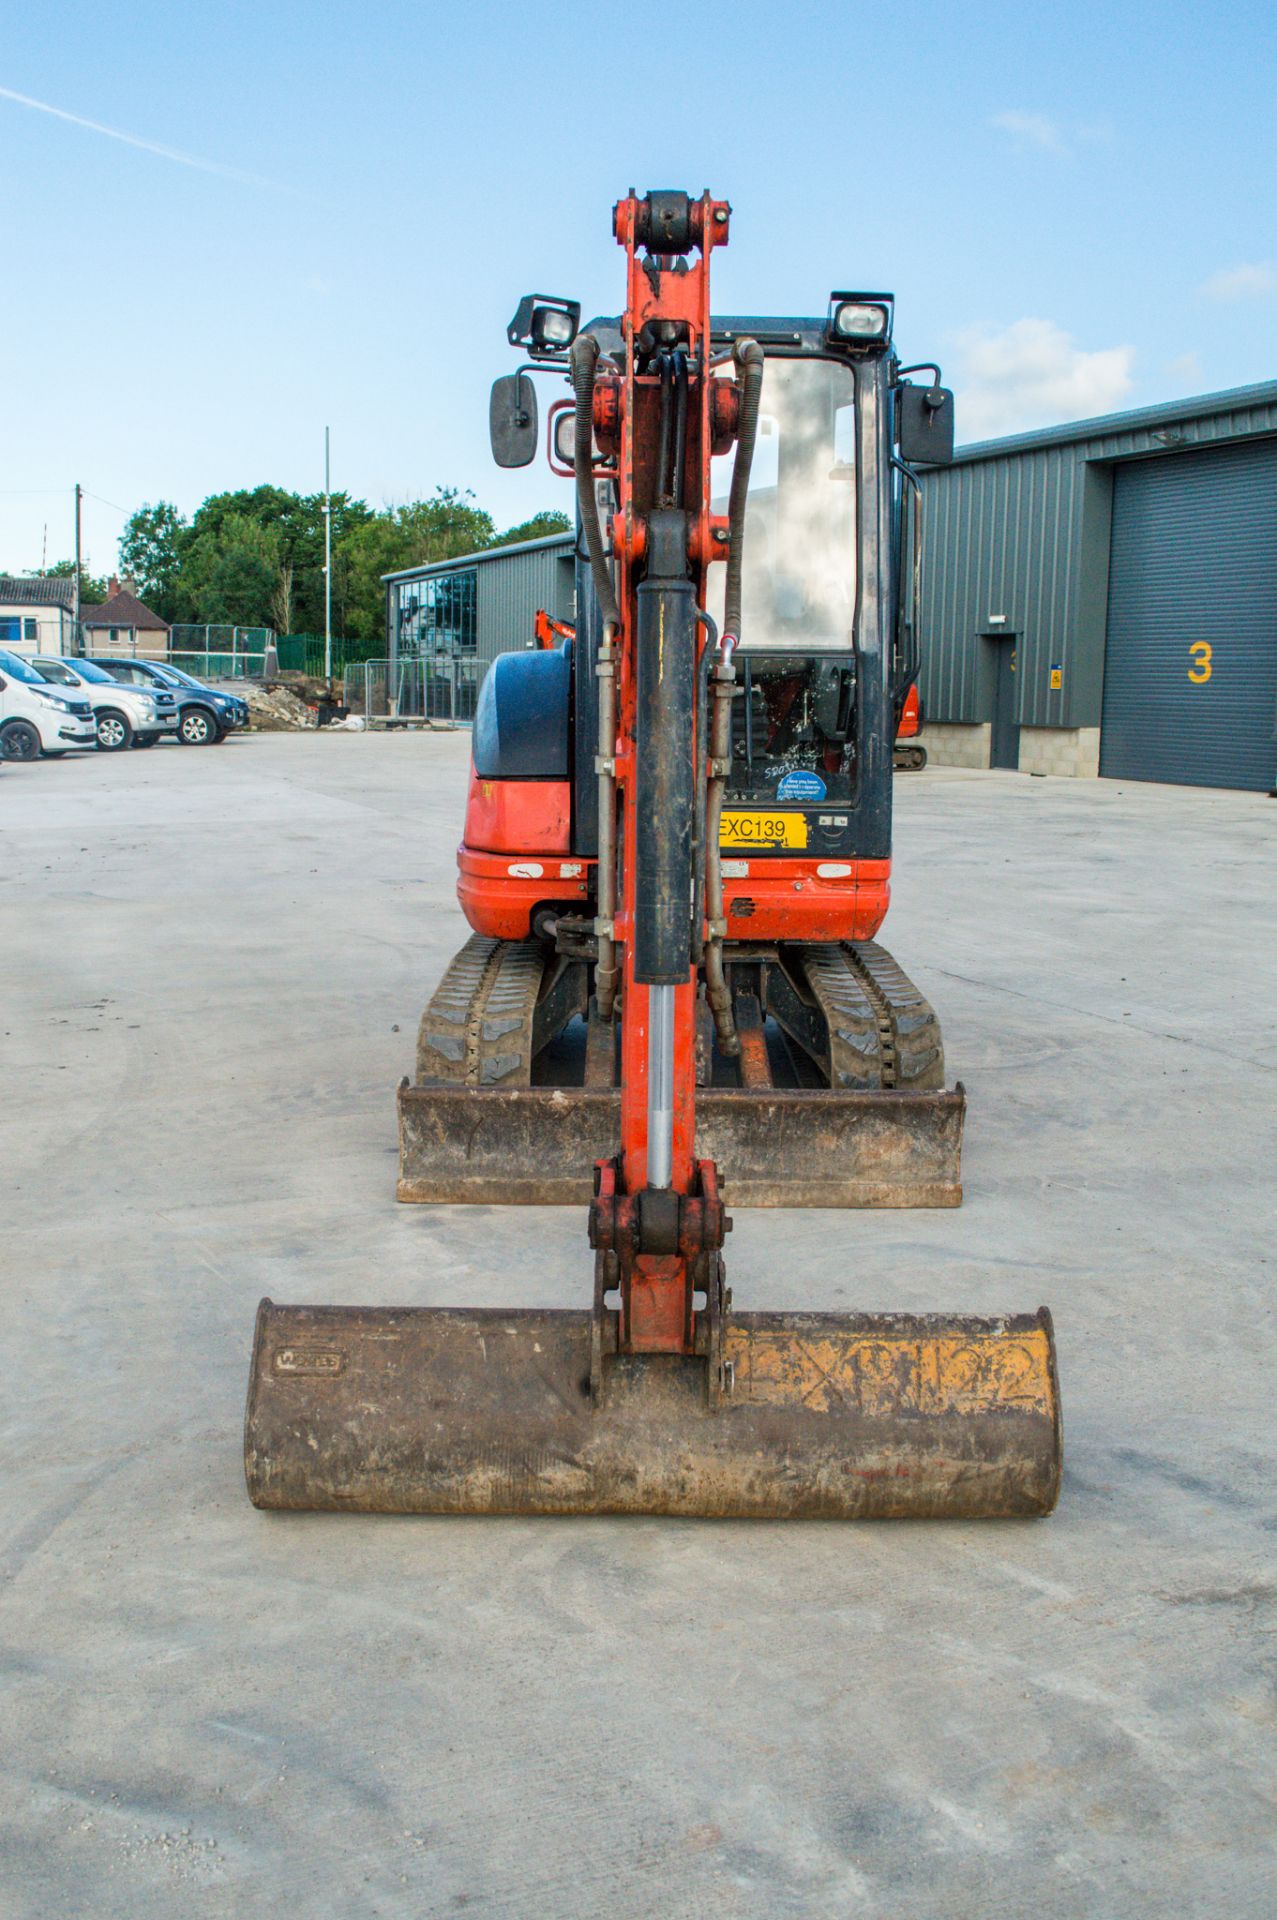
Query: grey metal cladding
x=512 y=587
x=1021 y=527
x=1001 y=538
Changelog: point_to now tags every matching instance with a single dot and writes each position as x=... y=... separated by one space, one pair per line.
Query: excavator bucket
x=816 y=1416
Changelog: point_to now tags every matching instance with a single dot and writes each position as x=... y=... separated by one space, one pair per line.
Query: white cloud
x=1031 y=130
x=1251 y=282
x=146 y=146
x=1038 y=132
x=1033 y=374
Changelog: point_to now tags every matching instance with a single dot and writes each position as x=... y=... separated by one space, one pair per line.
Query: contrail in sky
x=147 y=146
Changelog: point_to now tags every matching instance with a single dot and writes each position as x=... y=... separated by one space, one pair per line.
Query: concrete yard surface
x=212 y=964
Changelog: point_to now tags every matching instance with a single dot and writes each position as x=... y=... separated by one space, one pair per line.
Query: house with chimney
x=124 y=624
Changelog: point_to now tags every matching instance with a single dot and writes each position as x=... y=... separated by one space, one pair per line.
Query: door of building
x=1190 y=673
x=1004 y=743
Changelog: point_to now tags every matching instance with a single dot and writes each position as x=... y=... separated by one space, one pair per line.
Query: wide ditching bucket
x=817 y=1416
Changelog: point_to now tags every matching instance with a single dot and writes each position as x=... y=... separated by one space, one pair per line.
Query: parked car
x=35 y=718
x=124 y=716
x=204 y=714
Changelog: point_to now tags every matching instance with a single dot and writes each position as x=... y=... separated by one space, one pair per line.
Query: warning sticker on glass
x=763 y=830
x=801 y=785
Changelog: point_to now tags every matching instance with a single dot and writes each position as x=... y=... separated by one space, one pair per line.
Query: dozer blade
x=847 y=1416
x=778 y=1147
x=868 y=1124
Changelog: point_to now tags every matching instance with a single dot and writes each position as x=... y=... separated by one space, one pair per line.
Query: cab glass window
x=798 y=592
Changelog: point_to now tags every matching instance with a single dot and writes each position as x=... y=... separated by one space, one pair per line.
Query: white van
x=35 y=718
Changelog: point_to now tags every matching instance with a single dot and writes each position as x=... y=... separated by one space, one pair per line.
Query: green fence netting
x=304 y=653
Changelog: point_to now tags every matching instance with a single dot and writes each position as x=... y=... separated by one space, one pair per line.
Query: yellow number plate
x=763 y=830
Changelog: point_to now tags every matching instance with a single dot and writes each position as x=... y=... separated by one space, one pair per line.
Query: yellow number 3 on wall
x=1199 y=673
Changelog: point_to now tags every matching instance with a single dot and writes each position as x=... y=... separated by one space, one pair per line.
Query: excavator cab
x=676 y=860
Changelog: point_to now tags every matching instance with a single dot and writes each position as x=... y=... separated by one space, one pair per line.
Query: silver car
x=124 y=716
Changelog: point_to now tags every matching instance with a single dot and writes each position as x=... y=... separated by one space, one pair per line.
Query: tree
x=255 y=556
x=92 y=590
x=240 y=573
x=539 y=527
x=304 y=545
x=281 y=600
x=413 y=535
x=151 y=551
x=297 y=523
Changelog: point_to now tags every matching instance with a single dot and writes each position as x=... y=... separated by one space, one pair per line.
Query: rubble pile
x=274 y=708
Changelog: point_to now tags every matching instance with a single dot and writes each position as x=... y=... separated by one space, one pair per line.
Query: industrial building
x=1102 y=597
x=458 y=615
x=1098 y=598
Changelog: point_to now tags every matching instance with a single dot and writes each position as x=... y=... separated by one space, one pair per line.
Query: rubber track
x=851 y=1016
x=882 y=1032
x=912 y=1046
x=477 y=1029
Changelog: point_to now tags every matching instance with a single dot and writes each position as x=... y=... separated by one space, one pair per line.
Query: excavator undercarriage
x=836 y=1097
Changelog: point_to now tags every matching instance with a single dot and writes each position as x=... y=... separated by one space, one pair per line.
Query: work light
x=552 y=327
x=544 y=325
x=860 y=320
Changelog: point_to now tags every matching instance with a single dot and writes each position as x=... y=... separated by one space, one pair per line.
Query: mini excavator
x=676 y=862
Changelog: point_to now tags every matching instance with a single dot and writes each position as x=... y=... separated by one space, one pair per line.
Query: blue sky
x=1074 y=207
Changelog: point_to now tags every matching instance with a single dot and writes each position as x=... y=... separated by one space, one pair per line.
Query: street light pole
x=328 y=567
x=77 y=645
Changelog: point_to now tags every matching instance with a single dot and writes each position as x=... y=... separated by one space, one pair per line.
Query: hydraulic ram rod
x=660 y=1086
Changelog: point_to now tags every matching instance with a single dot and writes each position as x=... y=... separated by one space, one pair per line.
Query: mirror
x=512 y=420
x=924 y=425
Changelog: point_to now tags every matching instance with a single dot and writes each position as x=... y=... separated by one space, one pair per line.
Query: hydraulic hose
x=680 y=426
x=606 y=973
x=722 y=689
x=749 y=358
x=664 y=484
x=585 y=353
x=584 y=358
x=708 y=651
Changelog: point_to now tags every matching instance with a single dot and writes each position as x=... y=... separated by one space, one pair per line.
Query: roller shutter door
x=1190 y=675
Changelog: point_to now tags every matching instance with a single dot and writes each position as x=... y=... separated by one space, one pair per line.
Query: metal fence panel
x=219 y=652
x=219 y=666
x=439 y=692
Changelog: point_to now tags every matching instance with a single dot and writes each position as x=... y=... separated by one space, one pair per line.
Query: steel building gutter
x=566 y=539
x=1166 y=413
